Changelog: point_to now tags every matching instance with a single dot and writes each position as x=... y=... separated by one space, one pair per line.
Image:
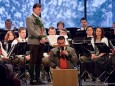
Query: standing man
x=36 y=40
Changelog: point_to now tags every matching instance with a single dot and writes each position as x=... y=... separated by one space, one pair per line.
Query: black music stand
x=81 y=49
x=82 y=40
x=21 y=48
x=102 y=47
x=80 y=33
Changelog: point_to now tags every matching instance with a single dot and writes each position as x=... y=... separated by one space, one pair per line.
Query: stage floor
x=86 y=83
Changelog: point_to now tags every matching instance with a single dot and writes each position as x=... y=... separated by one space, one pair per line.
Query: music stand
x=20 y=48
x=82 y=40
x=81 y=33
x=102 y=47
x=81 y=49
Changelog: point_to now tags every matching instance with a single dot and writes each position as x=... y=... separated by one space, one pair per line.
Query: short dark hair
x=89 y=27
x=20 y=29
x=8 y=20
x=61 y=38
x=51 y=28
x=83 y=19
x=60 y=22
x=37 y=5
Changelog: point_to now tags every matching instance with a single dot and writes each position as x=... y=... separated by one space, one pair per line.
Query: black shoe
x=33 y=83
x=40 y=82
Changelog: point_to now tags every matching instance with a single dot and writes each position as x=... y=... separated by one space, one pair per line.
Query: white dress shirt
x=103 y=40
x=81 y=29
x=20 y=40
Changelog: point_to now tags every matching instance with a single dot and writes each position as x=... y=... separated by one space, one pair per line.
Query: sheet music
x=53 y=40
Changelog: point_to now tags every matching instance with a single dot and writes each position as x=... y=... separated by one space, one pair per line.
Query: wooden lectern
x=65 y=77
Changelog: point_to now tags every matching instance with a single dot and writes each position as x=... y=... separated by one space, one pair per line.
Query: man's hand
x=93 y=56
x=27 y=57
x=65 y=53
x=43 y=40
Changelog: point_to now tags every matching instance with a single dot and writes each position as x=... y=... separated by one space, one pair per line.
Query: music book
x=52 y=39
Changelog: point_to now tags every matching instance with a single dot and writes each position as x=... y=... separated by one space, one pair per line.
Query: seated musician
x=84 y=24
x=10 y=36
x=63 y=32
x=45 y=59
x=8 y=25
x=8 y=39
x=22 y=38
x=98 y=59
x=90 y=33
x=62 y=57
x=51 y=31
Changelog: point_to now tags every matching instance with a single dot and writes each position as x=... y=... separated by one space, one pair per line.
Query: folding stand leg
x=24 y=74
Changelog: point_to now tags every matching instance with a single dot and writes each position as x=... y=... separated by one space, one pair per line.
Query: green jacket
x=34 y=29
x=55 y=54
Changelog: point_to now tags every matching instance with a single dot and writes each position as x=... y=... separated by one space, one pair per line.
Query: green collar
x=38 y=22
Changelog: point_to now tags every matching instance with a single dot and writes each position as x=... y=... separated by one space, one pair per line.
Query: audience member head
x=22 y=32
x=8 y=24
x=89 y=31
x=61 y=41
x=60 y=25
x=10 y=36
x=83 y=22
x=37 y=8
x=99 y=33
x=63 y=32
x=52 y=31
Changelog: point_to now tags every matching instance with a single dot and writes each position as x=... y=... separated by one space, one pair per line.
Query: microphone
x=62 y=48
